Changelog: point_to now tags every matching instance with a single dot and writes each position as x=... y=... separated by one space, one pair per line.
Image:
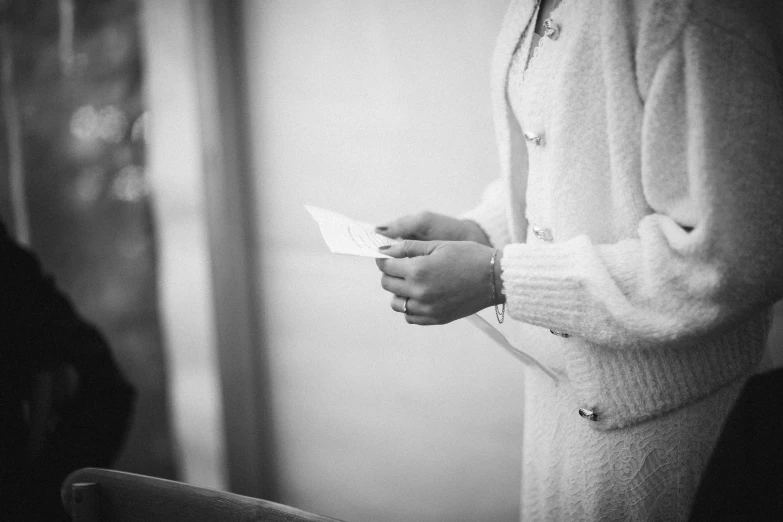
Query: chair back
x=93 y=495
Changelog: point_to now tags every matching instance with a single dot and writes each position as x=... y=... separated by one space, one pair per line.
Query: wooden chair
x=92 y=495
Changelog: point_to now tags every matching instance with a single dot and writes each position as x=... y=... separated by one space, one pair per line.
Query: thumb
x=410 y=248
x=401 y=227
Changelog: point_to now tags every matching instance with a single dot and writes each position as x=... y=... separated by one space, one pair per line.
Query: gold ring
x=405 y=306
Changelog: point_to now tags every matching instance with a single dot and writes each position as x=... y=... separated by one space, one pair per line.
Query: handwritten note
x=344 y=235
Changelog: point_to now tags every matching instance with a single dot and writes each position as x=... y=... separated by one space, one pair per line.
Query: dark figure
x=41 y=335
x=744 y=479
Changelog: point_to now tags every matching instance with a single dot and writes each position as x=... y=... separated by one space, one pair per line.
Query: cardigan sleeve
x=710 y=254
x=490 y=214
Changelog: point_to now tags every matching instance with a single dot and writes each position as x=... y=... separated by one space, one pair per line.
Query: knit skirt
x=648 y=472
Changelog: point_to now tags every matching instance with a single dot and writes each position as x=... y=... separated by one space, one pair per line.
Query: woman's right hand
x=428 y=226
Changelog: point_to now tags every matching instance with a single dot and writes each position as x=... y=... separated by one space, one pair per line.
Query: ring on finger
x=405 y=306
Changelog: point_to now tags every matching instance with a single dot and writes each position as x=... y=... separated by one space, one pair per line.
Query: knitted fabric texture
x=659 y=176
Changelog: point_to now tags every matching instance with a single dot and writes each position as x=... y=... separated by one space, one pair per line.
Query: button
x=588 y=414
x=534 y=139
x=560 y=334
x=544 y=234
x=551 y=29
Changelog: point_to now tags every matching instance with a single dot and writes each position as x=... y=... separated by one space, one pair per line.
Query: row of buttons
x=552 y=31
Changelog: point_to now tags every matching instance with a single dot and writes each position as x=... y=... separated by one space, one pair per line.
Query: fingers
x=395 y=285
x=409 y=248
x=393 y=267
x=401 y=278
x=400 y=304
x=410 y=307
x=421 y=320
x=405 y=227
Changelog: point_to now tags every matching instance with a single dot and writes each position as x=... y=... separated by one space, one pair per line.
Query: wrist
x=496 y=282
x=500 y=296
x=474 y=232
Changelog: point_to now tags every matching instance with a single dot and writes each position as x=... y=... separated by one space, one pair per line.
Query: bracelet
x=500 y=314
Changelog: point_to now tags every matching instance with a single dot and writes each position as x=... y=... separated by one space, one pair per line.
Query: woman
x=634 y=237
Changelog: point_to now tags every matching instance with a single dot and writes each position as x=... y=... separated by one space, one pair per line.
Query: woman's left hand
x=436 y=282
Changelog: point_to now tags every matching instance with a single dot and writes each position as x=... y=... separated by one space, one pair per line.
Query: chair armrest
x=131 y=497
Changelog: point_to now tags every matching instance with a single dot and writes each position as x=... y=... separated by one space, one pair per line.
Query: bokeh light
x=108 y=124
x=129 y=184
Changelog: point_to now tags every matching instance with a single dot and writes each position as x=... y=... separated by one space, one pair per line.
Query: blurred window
x=74 y=186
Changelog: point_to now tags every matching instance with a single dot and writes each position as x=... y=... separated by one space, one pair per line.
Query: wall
x=375 y=109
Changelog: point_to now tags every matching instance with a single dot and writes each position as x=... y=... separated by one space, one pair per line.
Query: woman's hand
x=441 y=280
x=428 y=226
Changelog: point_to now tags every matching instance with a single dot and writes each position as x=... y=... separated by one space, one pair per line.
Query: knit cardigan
x=660 y=176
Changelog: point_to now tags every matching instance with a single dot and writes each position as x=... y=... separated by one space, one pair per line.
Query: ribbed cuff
x=541 y=284
x=580 y=289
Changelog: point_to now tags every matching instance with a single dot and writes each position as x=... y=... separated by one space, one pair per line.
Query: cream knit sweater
x=660 y=176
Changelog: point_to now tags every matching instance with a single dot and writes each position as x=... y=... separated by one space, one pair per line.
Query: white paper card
x=344 y=235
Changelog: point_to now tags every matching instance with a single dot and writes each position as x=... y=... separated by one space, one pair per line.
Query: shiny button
x=544 y=234
x=588 y=414
x=551 y=29
x=560 y=334
x=534 y=139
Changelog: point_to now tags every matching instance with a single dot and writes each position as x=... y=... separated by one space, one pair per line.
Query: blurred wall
x=375 y=109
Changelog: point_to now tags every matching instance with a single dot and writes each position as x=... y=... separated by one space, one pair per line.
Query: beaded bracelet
x=499 y=314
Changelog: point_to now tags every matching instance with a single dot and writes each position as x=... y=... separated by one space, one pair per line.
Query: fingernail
x=381 y=229
x=384 y=247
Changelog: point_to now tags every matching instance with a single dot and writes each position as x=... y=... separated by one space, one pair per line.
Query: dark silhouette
x=86 y=417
